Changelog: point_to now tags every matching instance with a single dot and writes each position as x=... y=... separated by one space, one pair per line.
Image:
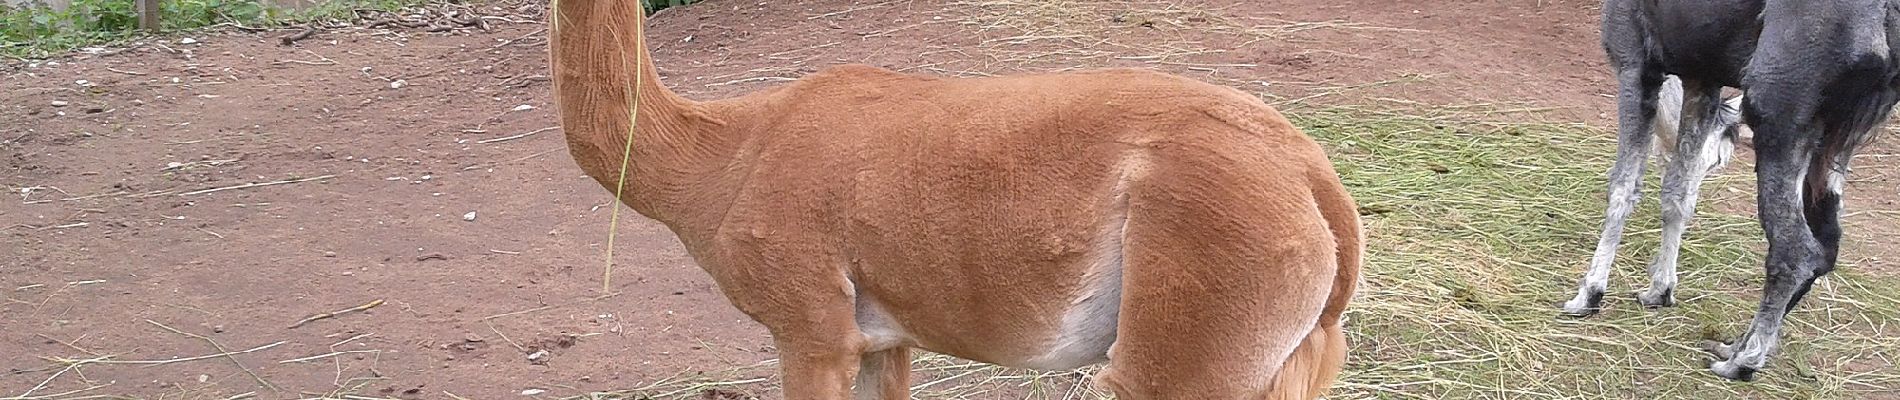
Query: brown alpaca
x=1184 y=233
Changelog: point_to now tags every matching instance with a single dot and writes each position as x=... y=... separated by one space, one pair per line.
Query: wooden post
x=148 y=15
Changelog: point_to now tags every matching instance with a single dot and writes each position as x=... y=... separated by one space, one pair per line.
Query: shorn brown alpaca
x=1184 y=233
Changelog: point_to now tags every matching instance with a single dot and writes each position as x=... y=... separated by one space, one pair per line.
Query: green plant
x=36 y=30
x=346 y=9
x=188 y=14
x=657 y=5
x=31 y=29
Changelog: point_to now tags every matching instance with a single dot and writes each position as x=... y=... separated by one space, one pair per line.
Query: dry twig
x=255 y=184
x=508 y=138
x=333 y=314
x=305 y=34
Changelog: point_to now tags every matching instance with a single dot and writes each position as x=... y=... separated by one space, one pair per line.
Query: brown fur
x=973 y=217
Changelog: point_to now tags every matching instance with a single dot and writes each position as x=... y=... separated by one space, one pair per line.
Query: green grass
x=1466 y=267
x=37 y=32
x=1477 y=230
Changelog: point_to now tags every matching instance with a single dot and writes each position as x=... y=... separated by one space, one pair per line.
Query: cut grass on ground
x=1477 y=230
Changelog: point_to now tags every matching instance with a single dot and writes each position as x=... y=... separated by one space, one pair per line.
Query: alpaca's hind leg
x=1636 y=108
x=1220 y=319
x=1702 y=145
x=884 y=375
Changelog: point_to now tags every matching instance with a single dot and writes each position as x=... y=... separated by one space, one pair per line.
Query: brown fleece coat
x=1184 y=233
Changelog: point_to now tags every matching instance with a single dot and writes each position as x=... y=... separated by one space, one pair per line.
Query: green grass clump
x=1477 y=230
x=36 y=31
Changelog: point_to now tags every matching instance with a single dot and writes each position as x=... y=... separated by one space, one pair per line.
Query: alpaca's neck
x=602 y=69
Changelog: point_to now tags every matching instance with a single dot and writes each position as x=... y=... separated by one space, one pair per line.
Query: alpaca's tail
x=1315 y=364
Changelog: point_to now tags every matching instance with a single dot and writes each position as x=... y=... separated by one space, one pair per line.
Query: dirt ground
x=421 y=171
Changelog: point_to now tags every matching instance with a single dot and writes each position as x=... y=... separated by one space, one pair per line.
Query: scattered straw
x=513 y=137
x=255 y=185
x=333 y=314
x=326 y=355
x=108 y=359
x=514 y=313
x=220 y=348
x=71 y=365
x=504 y=337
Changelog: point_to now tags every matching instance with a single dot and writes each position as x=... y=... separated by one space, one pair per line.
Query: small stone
x=473 y=338
x=538 y=357
x=61 y=103
x=531 y=392
x=83 y=82
x=398 y=84
x=524 y=107
x=470 y=216
x=187 y=41
x=329 y=254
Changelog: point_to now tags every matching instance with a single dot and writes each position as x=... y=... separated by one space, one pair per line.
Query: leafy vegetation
x=37 y=30
x=657 y=5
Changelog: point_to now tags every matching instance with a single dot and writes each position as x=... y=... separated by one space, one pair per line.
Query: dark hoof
x=1658 y=300
x=1733 y=373
x=1590 y=306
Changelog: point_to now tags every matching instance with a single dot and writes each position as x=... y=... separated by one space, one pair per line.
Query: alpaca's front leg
x=818 y=341
x=802 y=296
x=816 y=370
